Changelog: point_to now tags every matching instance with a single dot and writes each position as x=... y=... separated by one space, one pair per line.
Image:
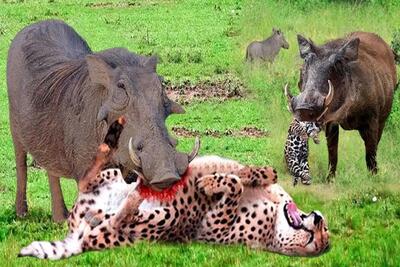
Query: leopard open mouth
x=293 y=216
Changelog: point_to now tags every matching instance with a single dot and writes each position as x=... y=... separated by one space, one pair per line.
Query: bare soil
x=112 y=5
x=247 y=131
x=229 y=87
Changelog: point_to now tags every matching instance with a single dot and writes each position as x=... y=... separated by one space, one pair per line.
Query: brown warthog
x=267 y=49
x=348 y=82
x=63 y=97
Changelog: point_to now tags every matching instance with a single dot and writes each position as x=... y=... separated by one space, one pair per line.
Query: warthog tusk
x=327 y=100
x=135 y=159
x=195 y=150
x=288 y=97
x=329 y=96
x=287 y=92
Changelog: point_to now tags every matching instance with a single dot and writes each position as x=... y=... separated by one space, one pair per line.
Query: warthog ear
x=349 y=51
x=151 y=63
x=99 y=71
x=305 y=46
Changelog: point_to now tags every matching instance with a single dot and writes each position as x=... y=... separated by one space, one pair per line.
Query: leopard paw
x=208 y=184
x=211 y=185
x=252 y=176
x=306 y=180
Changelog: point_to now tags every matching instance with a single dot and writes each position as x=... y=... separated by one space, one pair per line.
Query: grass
x=201 y=39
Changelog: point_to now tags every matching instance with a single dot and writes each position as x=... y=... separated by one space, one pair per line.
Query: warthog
x=63 y=97
x=348 y=82
x=267 y=49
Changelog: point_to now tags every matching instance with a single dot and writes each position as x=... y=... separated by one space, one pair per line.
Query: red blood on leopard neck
x=166 y=194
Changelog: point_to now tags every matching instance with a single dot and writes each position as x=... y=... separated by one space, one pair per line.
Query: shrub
x=395 y=44
x=394 y=118
x=175 y=55
x=194 y=55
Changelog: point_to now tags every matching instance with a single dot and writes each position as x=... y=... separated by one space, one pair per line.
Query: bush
x=194 y=56
x=395 y=44
x=175 y=56
x=394 y=118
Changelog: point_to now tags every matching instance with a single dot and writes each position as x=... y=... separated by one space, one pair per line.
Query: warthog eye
x=121 y=85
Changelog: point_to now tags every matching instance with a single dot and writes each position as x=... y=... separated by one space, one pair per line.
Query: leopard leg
x=305 y=171
x=257 y=176
x=294 y=167
x=117 y=229
x=227 y=188
x=128 y=206
x=295 y=180
x=91 y=179
x=128 y=211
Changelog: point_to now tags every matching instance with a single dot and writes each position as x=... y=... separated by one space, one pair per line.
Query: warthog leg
x=370 y=136
x=58 y=208
x=21 y=205
x=332 y=138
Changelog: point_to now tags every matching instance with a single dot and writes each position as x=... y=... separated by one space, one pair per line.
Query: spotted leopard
x=296 y=149
x=221 y=201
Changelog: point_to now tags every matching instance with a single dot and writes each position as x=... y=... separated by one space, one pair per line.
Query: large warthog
x=348 y=82
x=267 y=49
x=63 y=97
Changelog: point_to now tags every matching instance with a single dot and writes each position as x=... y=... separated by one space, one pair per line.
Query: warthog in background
x=63 y=97
x=348 y=82
x=267 y=49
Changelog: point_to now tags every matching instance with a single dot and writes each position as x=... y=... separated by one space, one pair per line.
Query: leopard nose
x=317 y=218
x=131 y=178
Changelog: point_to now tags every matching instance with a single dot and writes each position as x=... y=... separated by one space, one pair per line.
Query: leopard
x=219 y=201
x=296 y=149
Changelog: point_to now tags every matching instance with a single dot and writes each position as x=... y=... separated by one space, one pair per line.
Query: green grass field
x=199 y=40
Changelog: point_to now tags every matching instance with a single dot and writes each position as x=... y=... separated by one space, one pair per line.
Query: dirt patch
x=251 y=131
x=112 y=5
x=123 y=4
x=248 y=131
x=223 y=89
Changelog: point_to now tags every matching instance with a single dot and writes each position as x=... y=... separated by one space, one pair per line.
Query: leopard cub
x=296 y=149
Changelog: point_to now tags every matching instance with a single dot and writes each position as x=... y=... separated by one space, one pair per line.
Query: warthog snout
x=164 y=173
x=309 y=106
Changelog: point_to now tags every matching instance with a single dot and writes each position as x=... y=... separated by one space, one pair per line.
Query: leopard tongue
x=166 y=194
x=294 y=214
